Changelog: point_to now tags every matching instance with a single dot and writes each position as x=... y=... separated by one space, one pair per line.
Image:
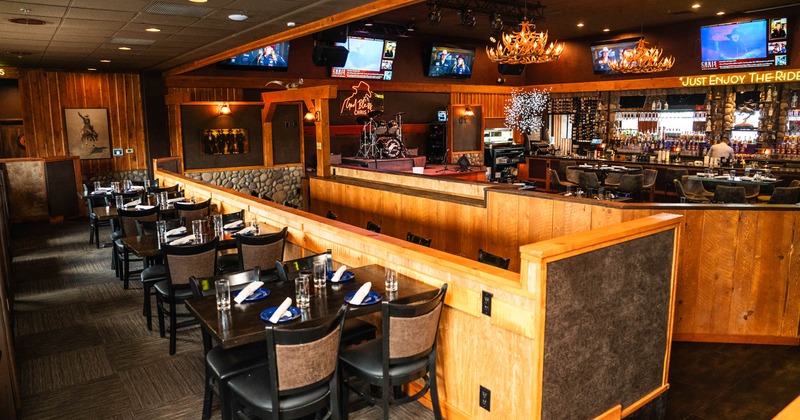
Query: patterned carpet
x=83 y=350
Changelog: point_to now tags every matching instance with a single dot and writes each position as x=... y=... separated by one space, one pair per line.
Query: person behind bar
x=722 y=150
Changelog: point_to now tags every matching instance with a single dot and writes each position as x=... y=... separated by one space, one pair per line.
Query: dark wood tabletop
x=242 y=324
x=146 y=246
x=738 y=180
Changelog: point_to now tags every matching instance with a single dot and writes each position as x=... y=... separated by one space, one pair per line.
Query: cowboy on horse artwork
x=88 y=135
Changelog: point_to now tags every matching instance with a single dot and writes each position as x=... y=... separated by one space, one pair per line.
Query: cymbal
x=362 y=119
x=374 y=114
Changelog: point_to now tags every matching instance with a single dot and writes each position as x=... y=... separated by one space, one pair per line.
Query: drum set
x=381 y=139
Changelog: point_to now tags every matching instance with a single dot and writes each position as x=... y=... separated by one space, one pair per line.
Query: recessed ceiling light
x=105 y=61
x=720 y=13
x=198 y=1
x=580 y=24
x=91 y=69
x=153 y=30
x=606 y=30
x=237 y=17
x=124 y=48
x=696 y=6
x=291 y=24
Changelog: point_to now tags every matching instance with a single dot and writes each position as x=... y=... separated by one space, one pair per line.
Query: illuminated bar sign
x=9 y=73
x=770 y=76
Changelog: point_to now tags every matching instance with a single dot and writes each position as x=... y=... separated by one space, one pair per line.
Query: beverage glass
x=97 y=185
x=161 y=229
x=320 y=273
x=223 y=295
x=302 y=289
x=119 y=201
x=218 y=226
x=116 y=187
x=254 y=223
x=390 y=280
x=197 y=230
x=164 y=200
x=732 y=174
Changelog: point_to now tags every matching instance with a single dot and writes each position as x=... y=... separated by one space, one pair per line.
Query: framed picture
x=225 y=141
x=87 y=130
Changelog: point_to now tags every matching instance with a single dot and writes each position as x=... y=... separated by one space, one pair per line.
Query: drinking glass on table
x=116 y=187
x=218 y=225
x=390 y=280
x=732 y=174
x=223 y=294
x=161 y=229
x=97 y=185
x=119 y=201
x=320 y=273
x=254 y=223
x=164 y=200
x=302 y=289
x=197 y=230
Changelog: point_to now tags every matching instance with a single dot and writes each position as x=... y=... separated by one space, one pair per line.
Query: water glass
x=732 y=174
x=218 y=231
x=223 y=294
x=119 y=201
x=197 y=230
x=127 y=185
x=164 y=200
x=97 y=185
x=390 y=280
x=302 y=289
x=254 y=223
x=320 y=273
x=161 y=229
x=116 y=187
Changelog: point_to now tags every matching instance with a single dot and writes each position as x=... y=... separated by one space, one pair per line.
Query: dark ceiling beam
x=511 y=10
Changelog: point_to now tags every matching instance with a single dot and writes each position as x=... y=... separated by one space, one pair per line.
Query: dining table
x=243 y=323
x=735 y=180
x=602 y=171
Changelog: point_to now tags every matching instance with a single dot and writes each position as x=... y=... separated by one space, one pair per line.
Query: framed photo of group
x=87 y=132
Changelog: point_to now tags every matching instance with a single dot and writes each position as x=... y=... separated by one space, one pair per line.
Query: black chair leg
x=91 y=232
x=126 y=268
x=344 y=396
x=434 y=391
x=146 y=308
x=386 y=391
x=225 y=398
x=160 y=310
x=207 y=397
x=173 y=333
x=335 y=410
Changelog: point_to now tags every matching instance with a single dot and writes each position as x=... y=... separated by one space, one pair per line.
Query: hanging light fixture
x=224 y=109
x=525 y=46
x=642 y=60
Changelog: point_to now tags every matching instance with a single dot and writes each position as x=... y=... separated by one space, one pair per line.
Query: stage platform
x=399 y=164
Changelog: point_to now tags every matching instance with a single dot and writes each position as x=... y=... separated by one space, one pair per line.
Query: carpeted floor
x=82 y=348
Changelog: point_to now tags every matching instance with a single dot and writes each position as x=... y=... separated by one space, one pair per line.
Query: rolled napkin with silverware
x=133 y=203
x=177 y=231
x=246 y=231
x=338 y=274
x=234 y=224
x=143 y=207
x=247 y=291
x=361 y=294
x=183 y=241
x=176 y=199
x=280 y=311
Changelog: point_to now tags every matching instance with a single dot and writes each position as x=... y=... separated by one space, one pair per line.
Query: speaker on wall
x=329 y=55
x=337 y=34
x=511 y=69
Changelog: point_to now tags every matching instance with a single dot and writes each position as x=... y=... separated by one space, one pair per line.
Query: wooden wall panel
x=493 y=104
x=45 y=94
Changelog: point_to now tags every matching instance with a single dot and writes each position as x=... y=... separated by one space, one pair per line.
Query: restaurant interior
x=400 y=209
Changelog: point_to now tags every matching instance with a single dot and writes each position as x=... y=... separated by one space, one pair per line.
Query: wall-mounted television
x=741 y=45
x=368 y=58
x=450 y=61
x=605 y=52
x=273 y=57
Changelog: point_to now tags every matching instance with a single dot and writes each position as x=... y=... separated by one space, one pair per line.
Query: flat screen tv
x=368 y=58
x=605 y=52
x=742 y=45
x=273 y=57
x=450 y=62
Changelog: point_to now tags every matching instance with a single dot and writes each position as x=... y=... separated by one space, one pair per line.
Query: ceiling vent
x=132 y=41
x=175 y=9
x=27 y=21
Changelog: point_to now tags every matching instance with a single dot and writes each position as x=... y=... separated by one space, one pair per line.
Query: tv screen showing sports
x=451 y=62
x=741 y=45
x=269 y=57
x=367 y=58
x=605 y=52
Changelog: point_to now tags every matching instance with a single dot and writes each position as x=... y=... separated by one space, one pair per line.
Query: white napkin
x=133 y=203
x=177 y=231
x=247 y=291
x=175 y=200
x=183 y=241
x=137 y=187
x=246 y=230
x=280 y=311
x=338 y=274
x=361 y=294
x=235 y=223
x=143 y=207
x=105 y=189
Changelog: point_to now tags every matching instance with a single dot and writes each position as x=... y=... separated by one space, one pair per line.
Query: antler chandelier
x=642 y=60
x=524 y=47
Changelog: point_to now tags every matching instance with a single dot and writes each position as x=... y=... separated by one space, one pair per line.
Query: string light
x=524 y=109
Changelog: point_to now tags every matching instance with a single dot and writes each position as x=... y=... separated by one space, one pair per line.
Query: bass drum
x=391 y=148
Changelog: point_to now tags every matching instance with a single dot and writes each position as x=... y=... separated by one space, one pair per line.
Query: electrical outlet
x=486 y=303
x=485 y=399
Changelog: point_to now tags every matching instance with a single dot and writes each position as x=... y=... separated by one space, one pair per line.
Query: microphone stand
x=445 y=162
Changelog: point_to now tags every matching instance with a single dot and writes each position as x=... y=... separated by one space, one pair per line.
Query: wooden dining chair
x=405 y=352
x=301 y=376
x=127 y=221
x=261 y=250
x=228 y=260
x=193 y=211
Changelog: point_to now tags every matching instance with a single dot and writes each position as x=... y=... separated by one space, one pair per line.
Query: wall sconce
x=224 y=109
x=468 y=112
x=311 y=115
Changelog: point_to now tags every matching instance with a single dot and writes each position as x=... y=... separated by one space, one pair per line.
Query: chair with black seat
x=492 y=259
x=631 y=185
x=127 y=220
x=589 y=182
x=355 y=330
x=95 y=223
x=229 y=262
x=751 y=191
x=331 y=215
x=795 y=183
x=673 y=174
x=555 y=181
x=410 y=237
x=223 y=364
x=373 y=226
x=261 y=250
x=405 y=352
x=154 y=270
x=190 y=212
x=289 y=386
x=173 y=189
x=574 y=176
x=695 y=187
x=688 y=196
x=728 y=194
x=649 y=183
x=182 y=262
x=785 y=195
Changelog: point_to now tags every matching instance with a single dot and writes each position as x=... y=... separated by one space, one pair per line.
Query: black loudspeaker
x=329 y=56
x=337 y=34
x=511 y=69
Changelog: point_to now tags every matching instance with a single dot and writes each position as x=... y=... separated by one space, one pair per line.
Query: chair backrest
x=613 y=178
x=191 y=212
x=679 y=188
x=692 y=186
x=727 y=194
x=554 y=178
x=574 y=176
x=410 y=237
x=207 y=286
x=631 y=183
x=97 y=200
x=795 y=183
x=589 y=180
x=168 y=190
x=128 y=218
x=649 y=178
x=410 y=328
x=373 y=227
x=785 y=195
x=562 y=168
x=127 y=197
x=751 y=190
x=331 y=215
x=492 y=259
x=673 y=174
x=287 y=268
x=290 y=351
x=261 y=250
x=192 y=260
x=148 y=227
x=232 y=217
